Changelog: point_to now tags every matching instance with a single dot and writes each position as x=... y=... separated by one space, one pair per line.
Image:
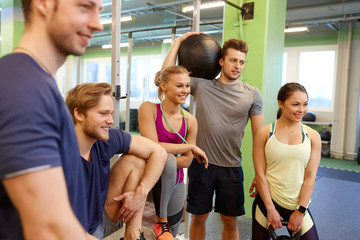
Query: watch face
x=301 y=209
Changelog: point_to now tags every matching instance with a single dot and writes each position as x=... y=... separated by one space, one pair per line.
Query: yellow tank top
x=285 y=168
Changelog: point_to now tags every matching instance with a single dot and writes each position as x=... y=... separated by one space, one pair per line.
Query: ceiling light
x=167 y=40
x=204 y=6
x=122 y=19
x=296 y=29
x=105 y=21
x=126 y=18
x=107 y=46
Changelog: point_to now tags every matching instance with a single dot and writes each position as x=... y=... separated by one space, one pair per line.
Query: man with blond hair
x=118 y=195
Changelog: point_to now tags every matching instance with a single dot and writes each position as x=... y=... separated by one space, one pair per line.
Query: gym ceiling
x=153 y=19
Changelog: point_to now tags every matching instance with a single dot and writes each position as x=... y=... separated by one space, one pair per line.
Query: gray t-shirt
x=222 y=112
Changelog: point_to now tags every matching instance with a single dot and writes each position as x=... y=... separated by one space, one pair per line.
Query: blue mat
x=335 y=204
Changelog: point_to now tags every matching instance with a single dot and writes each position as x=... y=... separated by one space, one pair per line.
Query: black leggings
x=261 y=233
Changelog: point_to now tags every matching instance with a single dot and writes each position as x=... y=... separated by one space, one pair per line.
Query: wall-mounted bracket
x=247 y=10
x=117 y=93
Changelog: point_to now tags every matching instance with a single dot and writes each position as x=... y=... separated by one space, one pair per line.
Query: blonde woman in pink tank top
x=175 y=129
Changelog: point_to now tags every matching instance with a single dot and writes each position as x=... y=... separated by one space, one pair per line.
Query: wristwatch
x=301 y=209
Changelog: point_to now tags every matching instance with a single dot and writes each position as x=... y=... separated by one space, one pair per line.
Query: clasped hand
x=132 y=203
x=295 y=220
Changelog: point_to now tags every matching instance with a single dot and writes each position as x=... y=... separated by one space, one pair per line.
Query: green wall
x=11 y=39
x=12 y=25
x=355 y=35
x=273 y=61
x=9 y=4
x=312 y=40
x=300 y=40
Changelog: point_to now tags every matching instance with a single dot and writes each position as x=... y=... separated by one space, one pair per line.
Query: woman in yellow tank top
x=286 y=157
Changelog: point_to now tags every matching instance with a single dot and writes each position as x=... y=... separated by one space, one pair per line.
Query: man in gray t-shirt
x=223 y=111
x=223 y=108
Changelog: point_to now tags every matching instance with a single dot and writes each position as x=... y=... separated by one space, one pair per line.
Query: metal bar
x=196 y=16
x=160 y=28
x=173 y=3
x=128 y=84
x=327 y=20
x=115 y=56
x=146 y=9
x=195 y=28
x=173 y=34
x=78 y=70
x=233 y=5
x=188 y=18
x=332 y=26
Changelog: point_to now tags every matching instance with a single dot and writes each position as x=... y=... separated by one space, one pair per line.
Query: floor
x=335 y=207
x=335 y=204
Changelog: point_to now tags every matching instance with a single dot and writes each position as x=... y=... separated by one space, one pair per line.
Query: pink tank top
x=168 y=137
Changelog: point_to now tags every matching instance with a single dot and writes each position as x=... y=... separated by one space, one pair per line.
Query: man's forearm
x=170 y=58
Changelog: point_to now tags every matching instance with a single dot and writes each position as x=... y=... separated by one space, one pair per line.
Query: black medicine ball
x=309 y=117
x=325 y=135
x=200 y=55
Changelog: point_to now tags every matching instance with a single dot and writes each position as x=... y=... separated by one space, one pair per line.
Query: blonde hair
x=163 y=76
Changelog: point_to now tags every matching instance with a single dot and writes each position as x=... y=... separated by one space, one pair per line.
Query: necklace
x=42 y=66
x=167 y=121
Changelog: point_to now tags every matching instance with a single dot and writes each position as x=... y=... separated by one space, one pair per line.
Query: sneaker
x=141 y=237
x=162 y=231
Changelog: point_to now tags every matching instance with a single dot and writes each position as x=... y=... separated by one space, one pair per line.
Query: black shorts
x=226 y=182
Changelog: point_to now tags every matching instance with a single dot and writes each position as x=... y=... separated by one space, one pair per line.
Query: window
x=97 y=70
x=60 y=79
x=138 y=72
x=67 y=75
x=316 y=73
x=108 y=72
x=284 y=68
x=143 y=69
x=92 y=71
x=154 y=66
x=314 y=68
